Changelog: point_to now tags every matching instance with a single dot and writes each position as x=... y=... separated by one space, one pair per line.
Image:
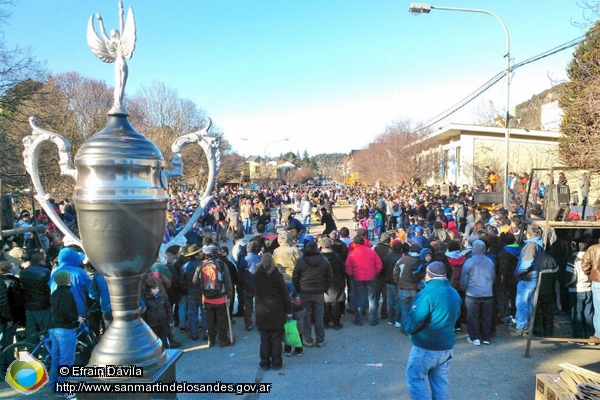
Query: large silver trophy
x=121 y=196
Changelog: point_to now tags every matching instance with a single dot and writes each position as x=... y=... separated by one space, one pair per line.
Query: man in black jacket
x=34 y=280
x=382 y=249
x=389 y=262
x=312 y=277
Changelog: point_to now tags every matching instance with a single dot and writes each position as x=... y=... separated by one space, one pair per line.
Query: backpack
x=211 y=274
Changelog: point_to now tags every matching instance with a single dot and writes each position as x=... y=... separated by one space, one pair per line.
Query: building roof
x=452 y=130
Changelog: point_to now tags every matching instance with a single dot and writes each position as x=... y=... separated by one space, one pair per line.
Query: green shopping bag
x=292 y=336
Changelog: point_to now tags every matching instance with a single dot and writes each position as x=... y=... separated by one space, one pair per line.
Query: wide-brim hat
x=191 y=250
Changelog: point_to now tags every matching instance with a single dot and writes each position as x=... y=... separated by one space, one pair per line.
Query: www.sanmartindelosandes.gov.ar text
x=162 y=387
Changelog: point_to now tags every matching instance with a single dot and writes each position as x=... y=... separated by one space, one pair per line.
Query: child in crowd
x=371 y=228
x=158 y=314
x=298 y=312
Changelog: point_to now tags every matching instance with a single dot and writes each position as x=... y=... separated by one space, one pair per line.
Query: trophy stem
x=115 y=347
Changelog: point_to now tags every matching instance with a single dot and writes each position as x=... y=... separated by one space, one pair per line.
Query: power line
x=495 y=79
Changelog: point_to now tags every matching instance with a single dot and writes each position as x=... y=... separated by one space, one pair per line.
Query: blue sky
x=329 y=75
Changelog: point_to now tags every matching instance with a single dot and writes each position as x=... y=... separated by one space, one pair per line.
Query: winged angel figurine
x=115 y=48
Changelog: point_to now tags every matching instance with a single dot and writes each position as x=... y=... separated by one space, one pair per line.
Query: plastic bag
x=292 y=336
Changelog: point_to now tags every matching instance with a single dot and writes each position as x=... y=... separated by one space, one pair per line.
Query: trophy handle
x=31 y=156
x=210 y=145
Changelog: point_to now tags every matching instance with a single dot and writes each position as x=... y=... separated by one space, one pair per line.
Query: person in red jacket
x=362 y=266
x=456 y=260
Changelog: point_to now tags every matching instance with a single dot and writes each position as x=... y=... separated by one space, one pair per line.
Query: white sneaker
x=475 y=342
x=397 y=325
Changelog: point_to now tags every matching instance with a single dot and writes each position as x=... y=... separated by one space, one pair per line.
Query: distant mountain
x=329 y=164
x=529 y=113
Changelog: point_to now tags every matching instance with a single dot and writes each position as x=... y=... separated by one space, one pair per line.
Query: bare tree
x=393 y=157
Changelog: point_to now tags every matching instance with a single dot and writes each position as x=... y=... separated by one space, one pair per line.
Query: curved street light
x=424 y=8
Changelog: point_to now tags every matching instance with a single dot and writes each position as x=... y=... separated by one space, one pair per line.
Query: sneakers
x=398 y=325
x=457 y=330
x=308 y=343
x=390 y=322
x=475 y=342
x=487 y=342
x=337 y=327
x=519 y=332
x=287 y=353
x=320 y=344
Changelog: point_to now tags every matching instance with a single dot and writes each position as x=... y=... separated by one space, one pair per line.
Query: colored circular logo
x=26 y=374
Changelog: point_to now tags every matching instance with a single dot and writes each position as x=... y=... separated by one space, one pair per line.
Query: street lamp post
x=274 y=141
x=423 y=8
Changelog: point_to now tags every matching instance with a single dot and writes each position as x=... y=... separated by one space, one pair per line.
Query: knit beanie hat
x=62 y=278
x=436 y=269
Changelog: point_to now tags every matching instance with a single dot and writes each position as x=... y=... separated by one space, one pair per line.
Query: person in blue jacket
x=430 y=325
x=69 y=260
x=527 y=272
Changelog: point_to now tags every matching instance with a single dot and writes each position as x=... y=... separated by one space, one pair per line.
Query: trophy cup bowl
x=121 y=207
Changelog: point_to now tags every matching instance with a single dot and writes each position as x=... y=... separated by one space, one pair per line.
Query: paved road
x=344 y=367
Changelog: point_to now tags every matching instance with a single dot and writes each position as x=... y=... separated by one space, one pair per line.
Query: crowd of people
x=273 y=255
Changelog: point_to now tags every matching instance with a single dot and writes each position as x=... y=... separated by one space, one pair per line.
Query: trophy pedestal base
x=166 y=375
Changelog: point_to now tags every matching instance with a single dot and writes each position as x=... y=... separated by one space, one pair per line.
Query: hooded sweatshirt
x=285 y=256
x=456 y=261
x=69 y=260
x=419 y=270
x=478 y=273
x=530 y=260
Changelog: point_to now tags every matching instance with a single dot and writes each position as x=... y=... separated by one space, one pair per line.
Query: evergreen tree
x=581 y=120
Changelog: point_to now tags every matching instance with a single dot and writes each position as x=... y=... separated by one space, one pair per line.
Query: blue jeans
x=365 y=291
x=428 y=364
x=182 y=311
x=596 y=299
x=582 y=312
x=314 y=304
x=306 y=221
x=248 y=225
x=392 y=302
x=524 y=303
x=193 y=307
x=301 y=235
x=405 y=299
x=62 y=351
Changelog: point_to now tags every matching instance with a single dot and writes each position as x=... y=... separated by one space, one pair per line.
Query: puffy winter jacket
x=312 y=274
x=363 y=264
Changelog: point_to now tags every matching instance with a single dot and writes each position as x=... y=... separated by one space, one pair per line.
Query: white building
x=465 y=151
